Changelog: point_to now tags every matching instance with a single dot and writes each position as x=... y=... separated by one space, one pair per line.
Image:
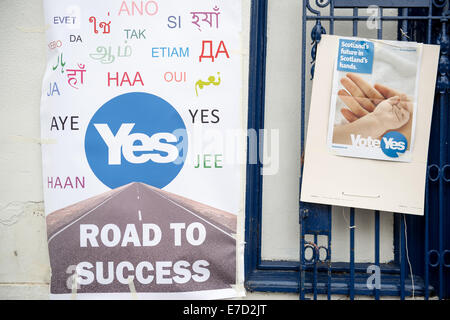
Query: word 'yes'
x=53 y=89
x=200 y=84
x=141 y=8
x=135 y=34
x=208 y=18
x=64 y=20
x=59 y=123
x=105 y=55
x=124 y=143
x=106 y=26
x=55 y=44
x=125 y=79
x=220 y=49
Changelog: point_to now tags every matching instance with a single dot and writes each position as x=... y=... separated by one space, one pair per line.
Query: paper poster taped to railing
x=369 y=124
x=374 y=99
x=140 y=200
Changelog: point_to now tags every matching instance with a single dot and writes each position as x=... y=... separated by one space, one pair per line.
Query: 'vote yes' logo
x=136 y=137
x=394 y=143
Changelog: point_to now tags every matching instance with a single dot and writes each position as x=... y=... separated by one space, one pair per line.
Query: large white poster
x=141 y=177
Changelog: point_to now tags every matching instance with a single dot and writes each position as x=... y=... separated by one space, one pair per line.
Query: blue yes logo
x=136 y=137
x=393 y=144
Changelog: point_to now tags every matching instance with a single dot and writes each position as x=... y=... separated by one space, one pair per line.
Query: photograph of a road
x=139 y=204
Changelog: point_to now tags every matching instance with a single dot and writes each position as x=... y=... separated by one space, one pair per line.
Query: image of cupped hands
x=371 y=110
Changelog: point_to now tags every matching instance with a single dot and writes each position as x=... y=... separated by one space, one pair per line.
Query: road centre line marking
x=140 y=216
x=195 y=215
x=84 y=215
x=132 y=287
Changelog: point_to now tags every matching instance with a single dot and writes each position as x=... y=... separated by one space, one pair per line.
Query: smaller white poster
x=354 y=176
x=374 y=99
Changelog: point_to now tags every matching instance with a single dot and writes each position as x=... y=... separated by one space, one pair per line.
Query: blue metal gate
x=422 y=261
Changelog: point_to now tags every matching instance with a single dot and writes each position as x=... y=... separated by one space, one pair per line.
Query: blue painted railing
x=428 y=237
x=427 y=241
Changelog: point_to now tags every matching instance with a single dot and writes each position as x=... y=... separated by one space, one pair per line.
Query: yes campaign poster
x=366 y=107
x=142 y=185
x=374 y=99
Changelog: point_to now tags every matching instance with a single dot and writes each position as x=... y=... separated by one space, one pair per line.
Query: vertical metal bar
x=355 y=22
x=396 y=238
x=377 y=247
x=380 y=24
x=329 y=266
x=302 y=261
x=303 y=83
x=426 y=267
x=352 y=210
x=427 y=193
x=404 y=25
x=329 y=272
x=430 y=22
x=352 y=253
x=332 y=19
x=402 y=258
x=302 y=148
x=442 y=143
x=404 y=30
x=443 y=86
x=377 y=213
x=316 y=261
x=443 y=92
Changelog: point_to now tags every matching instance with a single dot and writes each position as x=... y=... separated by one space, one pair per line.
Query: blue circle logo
x=136 y=137
x=393 y=144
